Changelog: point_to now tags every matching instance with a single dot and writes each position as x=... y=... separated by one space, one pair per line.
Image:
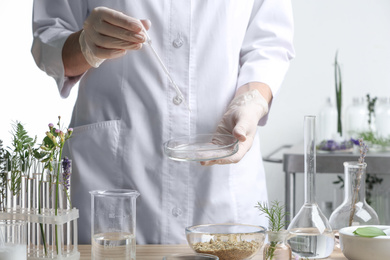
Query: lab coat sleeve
x=268 y=45
x=53 y=22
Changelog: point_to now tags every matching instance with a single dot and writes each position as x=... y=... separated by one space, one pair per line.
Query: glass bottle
x=356 y=118
x=354 y=211
x=328 y=121
x=277 y=247
x=311 y=233
x=382 y=113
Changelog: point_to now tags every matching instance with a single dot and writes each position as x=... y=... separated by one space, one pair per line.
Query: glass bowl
x=190 y=257
x=201 y=147
x=228 y=241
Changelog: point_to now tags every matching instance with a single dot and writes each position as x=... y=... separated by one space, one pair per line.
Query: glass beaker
x=113 y=227
x=13 y=240
x=311 y=234
x=354 y=211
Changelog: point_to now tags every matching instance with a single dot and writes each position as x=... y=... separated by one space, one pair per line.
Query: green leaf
x=369 y=232
x=48 y=142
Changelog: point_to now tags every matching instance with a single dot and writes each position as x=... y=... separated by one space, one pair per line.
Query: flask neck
x=278 y=236
x=310 y=187
x=310 y=159
x=354 y=182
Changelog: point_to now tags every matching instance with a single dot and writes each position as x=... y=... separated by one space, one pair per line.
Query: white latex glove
x=241 y=120
x=108 y=34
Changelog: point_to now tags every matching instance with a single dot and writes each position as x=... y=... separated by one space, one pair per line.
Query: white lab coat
x=124 y=110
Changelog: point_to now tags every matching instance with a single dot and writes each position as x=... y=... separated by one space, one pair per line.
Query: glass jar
x=356 y=118
x=327 y=121
x=277 y=248
x=354 y=211
x=382 y=117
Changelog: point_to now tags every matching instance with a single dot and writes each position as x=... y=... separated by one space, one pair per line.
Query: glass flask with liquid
x=310 y=231
x=113 y=219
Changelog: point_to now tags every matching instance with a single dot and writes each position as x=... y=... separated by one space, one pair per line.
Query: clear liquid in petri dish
x=113 y=245
x=309 y=243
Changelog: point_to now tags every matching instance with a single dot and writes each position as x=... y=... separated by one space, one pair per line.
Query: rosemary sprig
x=275 y=215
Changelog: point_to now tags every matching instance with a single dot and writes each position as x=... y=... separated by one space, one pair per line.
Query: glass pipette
x=179 y=98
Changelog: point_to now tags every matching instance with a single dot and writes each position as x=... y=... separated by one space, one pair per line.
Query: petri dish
x=201 y=147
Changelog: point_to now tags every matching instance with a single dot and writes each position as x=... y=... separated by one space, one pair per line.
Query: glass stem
x=310 y=158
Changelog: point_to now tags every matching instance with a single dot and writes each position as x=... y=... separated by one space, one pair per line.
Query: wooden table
x=156 y=252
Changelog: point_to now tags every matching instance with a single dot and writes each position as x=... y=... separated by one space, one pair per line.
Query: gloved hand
x=109 y=34
x=241 y=120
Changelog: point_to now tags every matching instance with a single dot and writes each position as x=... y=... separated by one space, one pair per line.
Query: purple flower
x=328 y=145
x=51 y=125
x=332 y=145
x=355 y=141
x=58 y=131
x=66 y=167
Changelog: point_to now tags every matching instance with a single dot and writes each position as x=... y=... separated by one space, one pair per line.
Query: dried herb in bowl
x=232 y=249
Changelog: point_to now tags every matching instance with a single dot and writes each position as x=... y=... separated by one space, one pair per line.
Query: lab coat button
x=177 y=100
x=176 y=212
x=178 y=42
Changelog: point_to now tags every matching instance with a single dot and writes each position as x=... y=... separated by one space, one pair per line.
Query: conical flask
x=312 y=235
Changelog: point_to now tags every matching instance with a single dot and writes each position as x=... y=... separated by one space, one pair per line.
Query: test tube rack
x=51 y=227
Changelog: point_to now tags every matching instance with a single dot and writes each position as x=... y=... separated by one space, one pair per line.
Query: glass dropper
x=179 y=98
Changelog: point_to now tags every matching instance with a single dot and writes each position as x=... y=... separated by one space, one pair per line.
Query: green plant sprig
x=51 y=151
x=338 y=88
x=4 y=155
x=20 y=159
x=275 y=214
x=372 y=138
x=371 y=108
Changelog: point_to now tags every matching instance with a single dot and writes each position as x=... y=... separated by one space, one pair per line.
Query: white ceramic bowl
x=364 y=248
